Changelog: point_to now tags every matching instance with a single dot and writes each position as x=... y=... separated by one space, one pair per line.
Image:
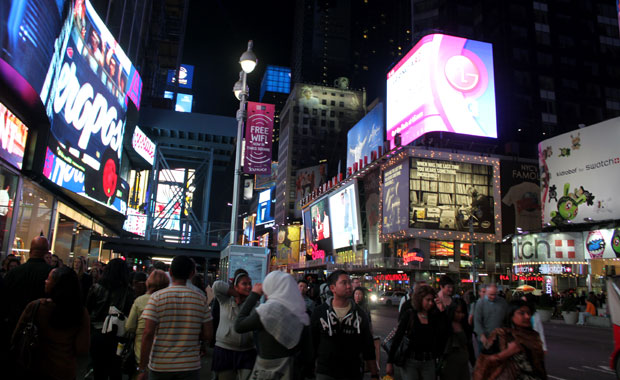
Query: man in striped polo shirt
x=177 y=318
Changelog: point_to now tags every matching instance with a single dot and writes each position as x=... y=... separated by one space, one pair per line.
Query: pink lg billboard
x=444 y=83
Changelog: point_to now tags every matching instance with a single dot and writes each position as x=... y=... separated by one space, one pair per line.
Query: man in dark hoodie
x=341 y=334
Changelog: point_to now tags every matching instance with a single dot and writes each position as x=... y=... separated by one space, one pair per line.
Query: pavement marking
x=576 y=369
x=555 y=377
x=599 y=370
x=606 y=368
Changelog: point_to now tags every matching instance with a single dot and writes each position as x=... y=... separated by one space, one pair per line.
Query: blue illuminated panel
x=184 y=103
x=276 y=79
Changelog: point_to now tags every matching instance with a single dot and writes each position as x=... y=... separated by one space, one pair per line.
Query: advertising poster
x=143 y=145
x=395 y=193
x=545 y=247
x=366 y=136
x=579 y=171
x=306 y=181
x=135 y=222
x=373 y=214
x=27 y=33
x=317 y=227
x=13 y=135
x=521 y=206
x=444 y=194
x=444 y=83
x=186 y=76
x=265 y=181
x=345 y=217
x=169 y=198
x=249 y=228
x=264 y=213
x=86 y=92
x=184 y=103
x=288 y=245
x=602 y=244
x=258 y=136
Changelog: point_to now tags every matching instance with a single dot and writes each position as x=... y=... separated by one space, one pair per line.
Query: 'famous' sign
x=579 y=171
x=86 y=91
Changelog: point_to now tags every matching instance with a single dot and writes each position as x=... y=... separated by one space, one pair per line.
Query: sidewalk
x=561 y=322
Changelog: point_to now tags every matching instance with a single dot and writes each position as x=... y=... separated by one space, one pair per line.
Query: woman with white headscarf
x=281 y=325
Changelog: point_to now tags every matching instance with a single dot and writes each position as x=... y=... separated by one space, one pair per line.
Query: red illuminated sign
x=392 y=277
x=315 y=252
x=412 y=256
x=521 y=278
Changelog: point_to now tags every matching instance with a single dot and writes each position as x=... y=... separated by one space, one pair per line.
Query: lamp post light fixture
x=240 y=89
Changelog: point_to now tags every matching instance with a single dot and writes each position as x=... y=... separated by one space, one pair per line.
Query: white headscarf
x=283 y=315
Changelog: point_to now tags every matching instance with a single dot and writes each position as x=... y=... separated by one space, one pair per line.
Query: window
x=333 y=102
x=324 y=102
x=323 y=112
x=35 y=212
x=341 y=104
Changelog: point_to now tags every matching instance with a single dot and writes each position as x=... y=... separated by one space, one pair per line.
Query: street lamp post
x=248 y=63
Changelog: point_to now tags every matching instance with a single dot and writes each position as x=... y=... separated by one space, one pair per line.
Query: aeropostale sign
x=258 y=136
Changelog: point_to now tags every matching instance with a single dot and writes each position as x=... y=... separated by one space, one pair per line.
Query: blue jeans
x=417 y=370
x=179 y=375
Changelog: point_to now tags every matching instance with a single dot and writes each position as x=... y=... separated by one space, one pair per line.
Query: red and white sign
x=565 y=249
x=258 y=136
x=13 y=135
x=143 y=145
x=392 y=277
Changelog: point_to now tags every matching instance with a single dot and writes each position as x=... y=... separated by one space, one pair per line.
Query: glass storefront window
x=34 y=217
x=8 y=187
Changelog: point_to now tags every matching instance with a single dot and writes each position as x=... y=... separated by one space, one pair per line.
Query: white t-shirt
x=525 y=197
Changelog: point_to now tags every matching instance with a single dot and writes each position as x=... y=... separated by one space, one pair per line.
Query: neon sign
x=392 y=277
x=143 y=145
x=315 y=252
x=521 y=278
x=412 y=257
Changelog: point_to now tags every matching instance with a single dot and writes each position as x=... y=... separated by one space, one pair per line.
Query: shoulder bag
x=400 y=356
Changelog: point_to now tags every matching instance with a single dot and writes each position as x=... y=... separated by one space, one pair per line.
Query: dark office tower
x=321 y=41
x=314 y=125
x=274 y=89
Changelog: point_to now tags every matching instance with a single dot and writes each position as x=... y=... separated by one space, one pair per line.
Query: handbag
x=400 y=355
x=128 y=356
x=26 y=342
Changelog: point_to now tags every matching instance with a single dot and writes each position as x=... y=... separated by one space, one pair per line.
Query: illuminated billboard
x=264 y=214
x=184 y=103
x=186 y=76
x=444 y=83
x=288 y=245
x=143 y=145
x=345 y=217
x=88 y=85
x=366 y=136
x=436 y=194
x=306 y=180
x=317 y=229
x=579 y=172
x=135 y=222
x=27 y=33
x=13 y=135
x=602 y=244
x=169 y=198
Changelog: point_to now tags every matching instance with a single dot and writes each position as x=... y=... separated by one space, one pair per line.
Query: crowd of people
x=161 y=323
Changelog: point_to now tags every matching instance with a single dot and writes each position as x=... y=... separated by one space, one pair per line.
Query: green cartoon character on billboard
x=568 y=206
x=615 y=242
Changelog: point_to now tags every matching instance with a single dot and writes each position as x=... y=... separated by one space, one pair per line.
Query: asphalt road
x=574 y=352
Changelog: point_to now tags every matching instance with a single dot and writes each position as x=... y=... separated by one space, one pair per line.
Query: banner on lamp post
x=258 y=136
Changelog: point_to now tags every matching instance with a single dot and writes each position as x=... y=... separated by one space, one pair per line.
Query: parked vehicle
x=390 y=298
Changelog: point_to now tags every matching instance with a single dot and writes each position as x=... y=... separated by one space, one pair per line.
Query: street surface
x=574 y=352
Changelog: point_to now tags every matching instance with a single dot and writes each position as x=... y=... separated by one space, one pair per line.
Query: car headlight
x=373 y=298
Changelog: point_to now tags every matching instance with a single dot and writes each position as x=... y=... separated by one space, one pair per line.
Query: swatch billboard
x=444 y=83
x=579 y=174
x=86 y=93
x=366 y=136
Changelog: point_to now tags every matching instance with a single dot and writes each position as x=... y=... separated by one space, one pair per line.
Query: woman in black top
x=424 y=325
x=281 y=327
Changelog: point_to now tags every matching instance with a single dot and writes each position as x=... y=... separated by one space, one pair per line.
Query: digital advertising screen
x=546 y=247
x=288 y=244
x=317 y=229
x=27 y=33
x=249 y=229
x=186 y=76
x=306 y=180
x=13 y=135
x=602 y=244
x=578 y=175
x=444 y=83
x=86 y=92
x=135 y=222
x=365 y=136
x=395 y=196
x=345 y=217
x=169 y=197
x=264 y=181
x=521 y=206
x=264 y=213
x=184 y=103
x=445 y=194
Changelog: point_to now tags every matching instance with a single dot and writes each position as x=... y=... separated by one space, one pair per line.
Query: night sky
x=217 y=35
